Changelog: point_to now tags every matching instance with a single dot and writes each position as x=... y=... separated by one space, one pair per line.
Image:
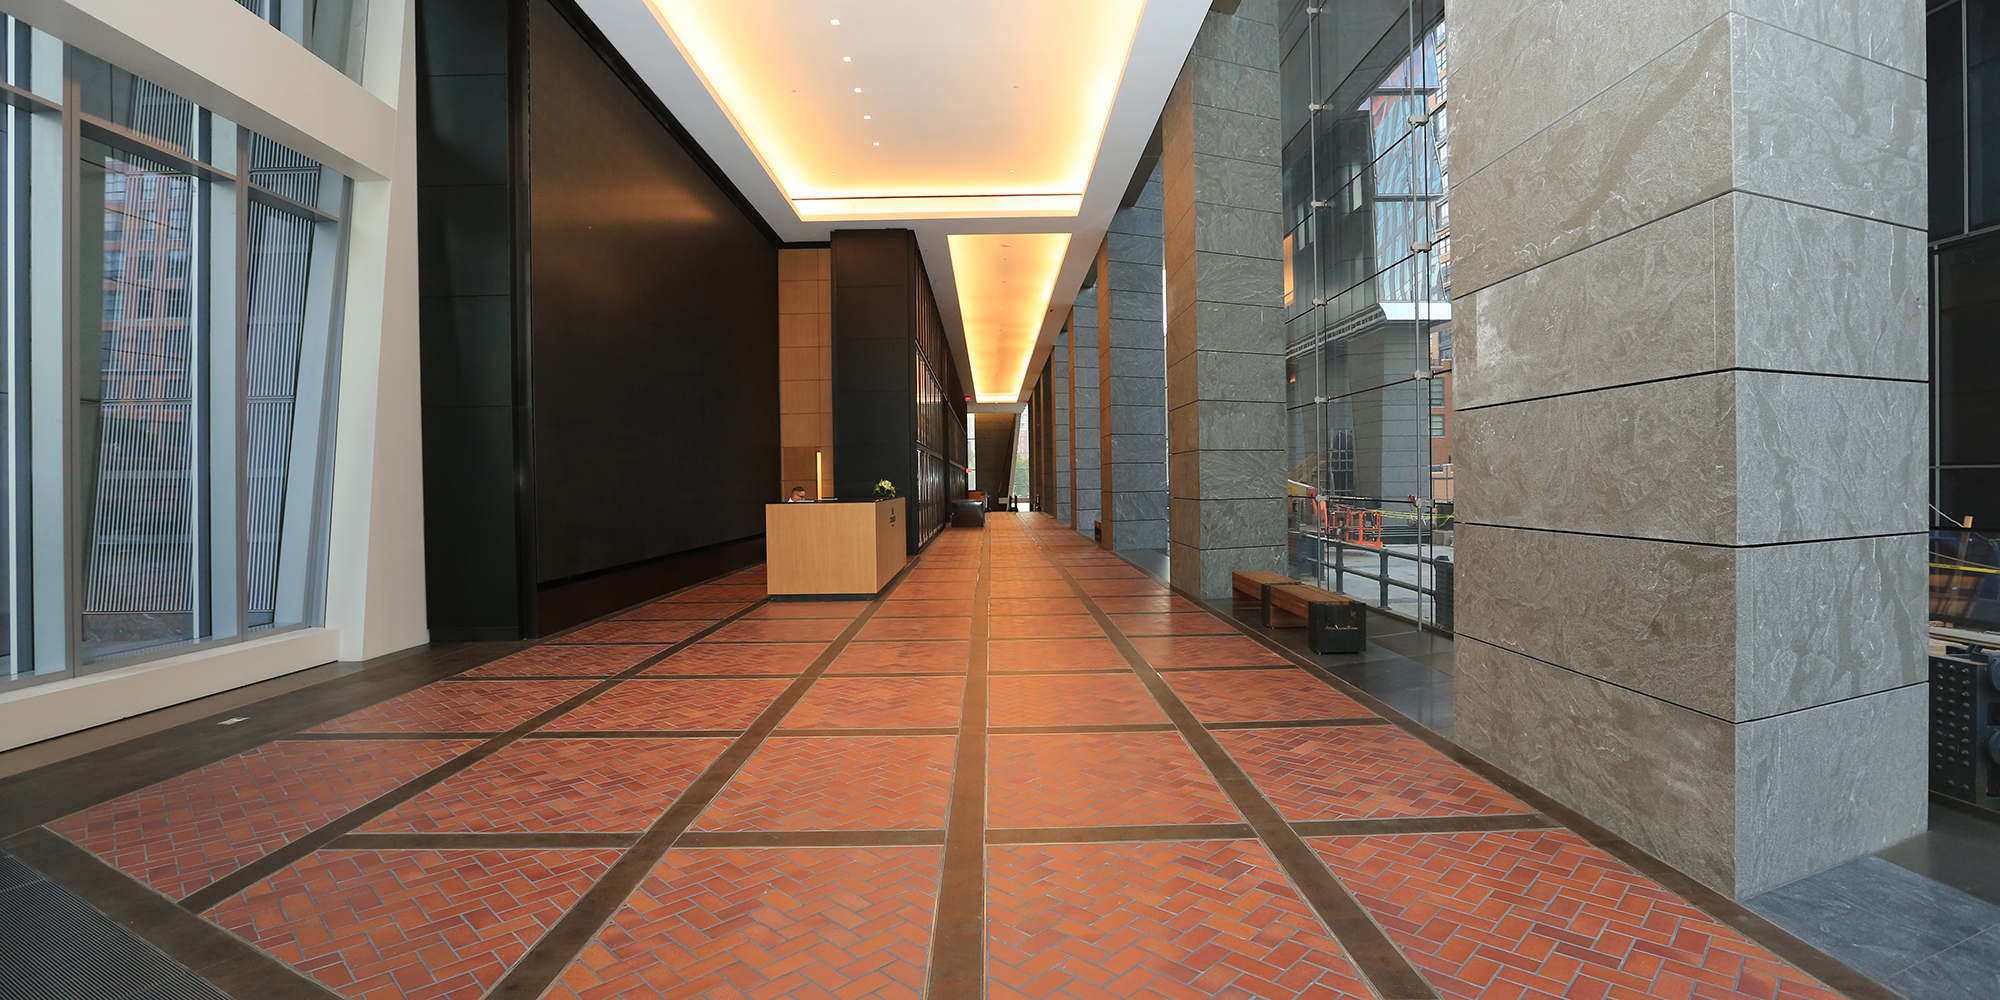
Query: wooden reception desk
x=834 y=547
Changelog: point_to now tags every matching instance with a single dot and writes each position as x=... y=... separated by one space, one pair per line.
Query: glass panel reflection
x=144 y=582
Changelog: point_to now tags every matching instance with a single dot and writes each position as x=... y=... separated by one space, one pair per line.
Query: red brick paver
x=1171 y=652
x=633 y=631
x=776 y=658
x=1015 y=655
x=673 y=704
x=184 y=833
x=1162 y=921
x=1100 y=779
x=421 y=925
x=458 y=707
x=933 y=656
x=570 y=661
x=879 y=703
x=1084 y=700
x=838 y=783
x=1261 y=695
x=559 y=786
x=1540 y=913
x=769 y=922
x=1350 y=772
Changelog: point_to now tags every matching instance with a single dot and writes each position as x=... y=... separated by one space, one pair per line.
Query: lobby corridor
x=1027 y=771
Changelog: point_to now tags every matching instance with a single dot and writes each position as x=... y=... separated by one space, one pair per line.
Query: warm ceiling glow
x=1004 y=284
x=995 y=207
x=1002 y=109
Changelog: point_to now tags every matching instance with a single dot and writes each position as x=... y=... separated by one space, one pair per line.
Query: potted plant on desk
x=885 y=490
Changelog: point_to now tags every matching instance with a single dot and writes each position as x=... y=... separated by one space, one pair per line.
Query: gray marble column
x=1086 y=442
x=1225 y=295
x=1064 y=506
x=1689 y=293
x=1132 y=376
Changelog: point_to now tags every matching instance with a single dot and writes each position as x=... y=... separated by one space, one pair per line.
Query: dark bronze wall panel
x=655 y=328
x=463 y=198
x=600 y=341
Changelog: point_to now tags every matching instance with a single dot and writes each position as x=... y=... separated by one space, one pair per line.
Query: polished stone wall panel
x=1823 y=786
x=1655 y=142
x=1822 y=291
x=1820 y=126
x=1656 y=460
x=1551 y=59
x=1617 y=609
x=1643 y=768
x=1826 y=621
x=1647 y=304
x=1890 y=33
x=1829 y=457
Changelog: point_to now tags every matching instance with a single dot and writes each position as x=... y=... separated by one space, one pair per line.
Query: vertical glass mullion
x=57 y=496
x=219 y=263
x=298 y=555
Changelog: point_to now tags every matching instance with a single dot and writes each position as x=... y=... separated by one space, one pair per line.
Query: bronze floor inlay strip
x=1122 y=834
x=810 y=838
x=1388 y=827
x=958 y=934
x=1375 y=957
x=532 y=975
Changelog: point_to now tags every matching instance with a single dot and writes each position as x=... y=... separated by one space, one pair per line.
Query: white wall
x=221 y=56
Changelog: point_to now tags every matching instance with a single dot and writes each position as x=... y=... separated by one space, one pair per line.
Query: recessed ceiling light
x=878 y=144
x=857 y=90
x=836 y=20
x=867 y=117
x=846 y=58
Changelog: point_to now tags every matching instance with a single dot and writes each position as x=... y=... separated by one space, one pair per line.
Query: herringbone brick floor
x=458 y=707
x=673 y=703
x=1358 y=772
x=1542 y=914
x=1100 y=779
x=1166 y=921
x=566 y=661
x=184 y=833
x=559 y=786
x=421 y=925
x=770 y=922
x=838 y=783
x=1115 y=850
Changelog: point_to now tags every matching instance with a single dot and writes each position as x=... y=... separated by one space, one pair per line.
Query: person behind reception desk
x=798 y=495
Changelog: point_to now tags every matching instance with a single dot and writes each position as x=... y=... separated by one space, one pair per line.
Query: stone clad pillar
x=1225 y=295
x=1131 y=377
x=1083 y=410
x=1063 y=506
x=1689 y=290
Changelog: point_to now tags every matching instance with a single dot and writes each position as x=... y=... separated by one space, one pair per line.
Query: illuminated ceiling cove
x=1003 y=135
x=1004 y=283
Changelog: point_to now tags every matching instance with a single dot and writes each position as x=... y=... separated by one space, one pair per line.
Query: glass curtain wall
x=1964 y=82
x=333 y=30
x=170 y=415
x=1368 y=301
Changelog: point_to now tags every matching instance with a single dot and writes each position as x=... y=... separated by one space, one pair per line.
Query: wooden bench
x=1335 y=623
x=1252 y=584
